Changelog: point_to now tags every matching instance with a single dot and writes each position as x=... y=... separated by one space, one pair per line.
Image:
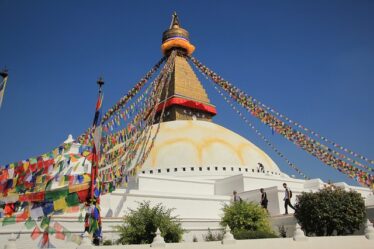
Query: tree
x=331 y=209
x=246 y=219
x=140 y=225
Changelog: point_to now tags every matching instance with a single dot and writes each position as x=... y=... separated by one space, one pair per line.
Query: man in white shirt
x=236 y=197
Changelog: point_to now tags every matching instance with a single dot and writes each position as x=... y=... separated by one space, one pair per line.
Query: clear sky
x=311 y=60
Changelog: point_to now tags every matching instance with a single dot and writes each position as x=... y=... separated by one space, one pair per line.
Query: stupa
x=194 y=164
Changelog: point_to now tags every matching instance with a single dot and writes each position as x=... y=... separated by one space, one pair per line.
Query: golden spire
x=176 y=37
x=186 y=98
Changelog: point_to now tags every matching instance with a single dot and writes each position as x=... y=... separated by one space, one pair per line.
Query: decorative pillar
x=158 y=240
x=299 y=234
x=228 y=238
x=369 y=230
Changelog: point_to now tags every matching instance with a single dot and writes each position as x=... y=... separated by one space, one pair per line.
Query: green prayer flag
x=56 y=193
x=9 y=221
x=30 y=223
x=45 y=222
x=111 y=187
x=72 y=199
x=51 y=230
x=67 y=233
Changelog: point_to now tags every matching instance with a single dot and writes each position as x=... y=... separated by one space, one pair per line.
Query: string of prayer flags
x=133 y=91
x=303 y=141
x=323 y=138
x=280 y=154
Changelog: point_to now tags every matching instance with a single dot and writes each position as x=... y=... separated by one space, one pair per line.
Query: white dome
x=202 y=144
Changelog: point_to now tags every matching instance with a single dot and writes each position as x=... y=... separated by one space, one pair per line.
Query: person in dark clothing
x=264 y=199
x=287 y=198
x=261 y=168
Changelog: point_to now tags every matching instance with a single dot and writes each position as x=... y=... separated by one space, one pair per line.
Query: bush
x=247 y=216
x=218 y=236
x=107 y=242
x=245 y=234
x=140 y=225
x=331 y=209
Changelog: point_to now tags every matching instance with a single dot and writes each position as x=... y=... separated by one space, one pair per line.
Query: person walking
x=287 y=198
x=236 y=197
x=264 y=199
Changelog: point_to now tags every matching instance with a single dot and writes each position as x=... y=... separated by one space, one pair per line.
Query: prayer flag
x=45 y=222
x=72 y=199
x=30 y=223
x=59 y=204
x=48 y=208
x=35 y=233
x=60 y=235
x=35 y=213
x=23 y=216
x=9 y=221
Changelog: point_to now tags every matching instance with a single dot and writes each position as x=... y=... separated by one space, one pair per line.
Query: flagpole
x=96 y=121
x=4 y=75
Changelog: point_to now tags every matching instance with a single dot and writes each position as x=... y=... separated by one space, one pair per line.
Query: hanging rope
x=279 y=153
x=303 y=141
x=297 y=124
x=85 y=137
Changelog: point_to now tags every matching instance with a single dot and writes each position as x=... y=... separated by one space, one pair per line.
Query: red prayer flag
x=82 y=195
x=57 y=227
x=60 y=235
x=23 y=217
x=35 y=233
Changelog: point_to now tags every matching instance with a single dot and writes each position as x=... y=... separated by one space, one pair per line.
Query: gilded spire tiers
x=186 y=98
x=176 y=37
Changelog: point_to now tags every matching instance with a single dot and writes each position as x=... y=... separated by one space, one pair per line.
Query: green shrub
x=140 y=225
x=245 y=216
x=245 y=234
x=331 y=209
x=213 y=236
x=107 y=242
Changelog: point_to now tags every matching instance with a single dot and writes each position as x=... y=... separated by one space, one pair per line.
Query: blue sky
x=311 y=60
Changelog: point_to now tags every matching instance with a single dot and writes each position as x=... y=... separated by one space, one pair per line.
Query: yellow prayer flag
x=26 y=166
x=61 y=182
x=86 y=178
x=60 y=204
x=39 y=179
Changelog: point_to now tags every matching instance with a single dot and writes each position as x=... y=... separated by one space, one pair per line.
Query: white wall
x=341 y=242
x=167 y=184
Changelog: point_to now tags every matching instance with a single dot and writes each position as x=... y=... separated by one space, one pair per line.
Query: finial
x=4 y=72
x=174 y=20
x=176 y=37
x=100 y=81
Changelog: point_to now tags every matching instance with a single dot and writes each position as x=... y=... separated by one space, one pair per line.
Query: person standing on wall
x=287 y=198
